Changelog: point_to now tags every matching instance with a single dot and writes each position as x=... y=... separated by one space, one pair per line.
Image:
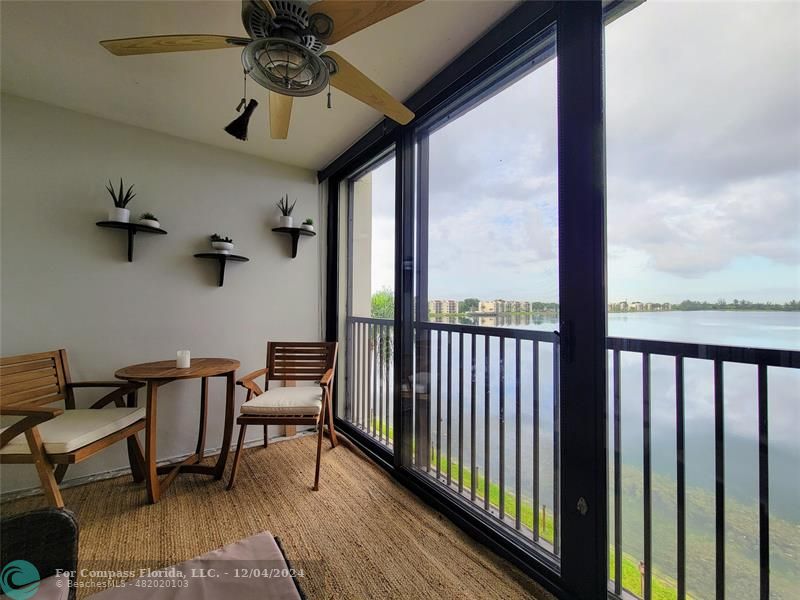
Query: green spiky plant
x=309 y=222
x=149 y=216
x=218 y=238
x=284 y=206
x=121 y=198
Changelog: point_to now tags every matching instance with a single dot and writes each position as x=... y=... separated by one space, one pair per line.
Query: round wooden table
x=156 y=374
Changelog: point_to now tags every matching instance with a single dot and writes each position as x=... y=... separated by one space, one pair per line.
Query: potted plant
x=286 y=211
x=308 y=224
x=121 y=199
x=221 y=244
x=150 y=220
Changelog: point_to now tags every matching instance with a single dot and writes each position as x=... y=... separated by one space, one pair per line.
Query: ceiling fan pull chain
x=243 y=101
x=329 y=95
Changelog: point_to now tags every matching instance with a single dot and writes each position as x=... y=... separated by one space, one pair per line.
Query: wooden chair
x=52 y=438
x=301 y=405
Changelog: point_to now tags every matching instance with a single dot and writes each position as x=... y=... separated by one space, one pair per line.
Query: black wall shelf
x=222 y=259
x=132 y=229
x=295 y=233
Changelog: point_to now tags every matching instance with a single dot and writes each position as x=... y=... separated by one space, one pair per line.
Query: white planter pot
x=307 y=227
x=150 y=223
x=121 y=215
x=285 y=221
x=224 y=247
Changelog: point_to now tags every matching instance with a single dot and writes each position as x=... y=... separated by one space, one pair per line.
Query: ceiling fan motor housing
x=291 y=20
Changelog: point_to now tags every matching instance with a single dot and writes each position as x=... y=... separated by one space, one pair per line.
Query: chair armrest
x=32 y=416
x=123 y=388
x=26 y=410
x=326 y=378
x=102 y=384
x=248 y=383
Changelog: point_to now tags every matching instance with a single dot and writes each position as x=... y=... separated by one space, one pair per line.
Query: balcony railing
x=486 y=426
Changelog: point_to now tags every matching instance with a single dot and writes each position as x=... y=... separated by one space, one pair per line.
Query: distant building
x=499 y=306
x=487 y=307
x=442 y=307
x=636 y=306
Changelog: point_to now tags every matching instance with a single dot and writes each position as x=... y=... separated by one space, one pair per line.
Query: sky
x=703 y=167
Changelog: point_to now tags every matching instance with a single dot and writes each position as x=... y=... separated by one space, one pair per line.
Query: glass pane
x=486 y=393
x=703 y=159
x=369 y=360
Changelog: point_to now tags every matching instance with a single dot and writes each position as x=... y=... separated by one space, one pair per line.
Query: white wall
x=66 y=282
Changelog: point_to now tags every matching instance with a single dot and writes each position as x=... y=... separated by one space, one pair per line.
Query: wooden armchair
x=302 y=405
x=53 y=438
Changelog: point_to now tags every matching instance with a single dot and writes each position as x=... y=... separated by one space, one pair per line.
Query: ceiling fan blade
x=354 y=83
x=350 y=16
x=280 y=113
x=156 y=44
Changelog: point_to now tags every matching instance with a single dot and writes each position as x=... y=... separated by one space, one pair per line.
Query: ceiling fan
x=286 y=51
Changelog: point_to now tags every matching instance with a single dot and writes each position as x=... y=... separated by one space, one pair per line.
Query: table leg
x=153 y=486
x=135 y=456
x=201 y=435
x=230 y=396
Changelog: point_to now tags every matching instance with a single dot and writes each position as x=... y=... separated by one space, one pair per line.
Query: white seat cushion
x=75 y=429
x=305 y=400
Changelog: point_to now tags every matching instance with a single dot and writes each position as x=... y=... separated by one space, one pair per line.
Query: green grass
x=664 y=588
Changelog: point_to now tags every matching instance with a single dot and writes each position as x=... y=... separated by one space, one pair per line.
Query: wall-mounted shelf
x=132 y=229
x=295 y=232
x=222 y=259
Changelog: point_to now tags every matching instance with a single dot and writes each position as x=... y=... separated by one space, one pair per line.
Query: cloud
x=703 y=160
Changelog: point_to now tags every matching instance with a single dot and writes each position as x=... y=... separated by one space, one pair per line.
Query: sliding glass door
x=486 y=393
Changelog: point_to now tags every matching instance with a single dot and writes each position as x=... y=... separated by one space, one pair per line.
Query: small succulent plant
x=218 y=238
x=121 y=197
x=284 y=206
x=309 y=222
x=148 y=216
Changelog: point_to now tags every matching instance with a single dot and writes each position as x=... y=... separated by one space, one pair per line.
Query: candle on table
x=184 y=359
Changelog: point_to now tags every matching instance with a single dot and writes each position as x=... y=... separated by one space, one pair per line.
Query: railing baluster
x=389 y=378
x=518 y=433
x=364 y=374
x=535 y=385
x=460 y=412
x=438 y=402
x=680 y=445
x=719 y=470
x=487 y=421
x=472 y=420
x=502 y=425
x=374 y=380
x=357 y=365
x=763 y=481
x=556 y=449
x=379 y=381
x=430 y=412
x=648 y=517
x=449 y=404
x=385 y=352
x=617 y=472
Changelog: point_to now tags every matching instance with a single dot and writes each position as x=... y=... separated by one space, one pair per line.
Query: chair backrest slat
x=34 y=379
x=299 y=361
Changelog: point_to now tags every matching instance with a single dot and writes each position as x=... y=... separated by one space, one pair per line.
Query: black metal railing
x=719 y=356
x=370 y=368
x=470 y=379
x=473 y=386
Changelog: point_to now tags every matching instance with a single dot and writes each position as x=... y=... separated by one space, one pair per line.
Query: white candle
x=184 y=359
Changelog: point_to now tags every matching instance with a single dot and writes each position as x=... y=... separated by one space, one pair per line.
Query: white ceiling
x=50 y=53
